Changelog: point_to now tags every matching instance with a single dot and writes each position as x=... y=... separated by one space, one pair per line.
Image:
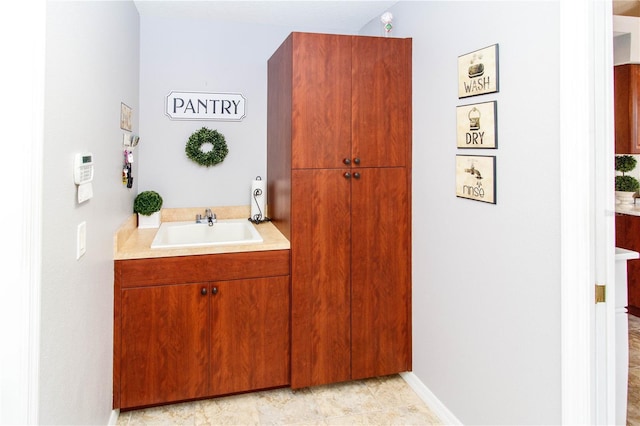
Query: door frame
x=587 y=212
x=578 y=394
x=20 y=304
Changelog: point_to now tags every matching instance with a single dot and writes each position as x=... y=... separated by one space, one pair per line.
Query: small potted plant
x=148 y=204
x=626 y=186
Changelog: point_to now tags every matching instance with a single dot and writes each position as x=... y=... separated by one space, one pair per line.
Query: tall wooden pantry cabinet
x=339 y=185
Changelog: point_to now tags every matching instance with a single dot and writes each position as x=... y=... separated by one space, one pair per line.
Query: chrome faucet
x=211 y=217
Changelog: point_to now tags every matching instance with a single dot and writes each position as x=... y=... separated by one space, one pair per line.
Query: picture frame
x=478 y=72
x=125 y=117
x=476 y=177
x=477 y=125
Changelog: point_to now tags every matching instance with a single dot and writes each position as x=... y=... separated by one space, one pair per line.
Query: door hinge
x=600 y=293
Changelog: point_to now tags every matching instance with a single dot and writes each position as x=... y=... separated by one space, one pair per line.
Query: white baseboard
x=113 y=419
x=438 y=408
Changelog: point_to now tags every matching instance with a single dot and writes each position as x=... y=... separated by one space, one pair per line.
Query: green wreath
x=207 y=136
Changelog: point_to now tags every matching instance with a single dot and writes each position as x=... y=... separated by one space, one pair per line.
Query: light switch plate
x=81 y=240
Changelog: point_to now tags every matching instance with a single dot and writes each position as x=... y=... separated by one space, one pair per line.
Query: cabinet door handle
x=347 y=175
x=356 y=175
x=203 y=291
x=346 y=161
x=356 y=160
x=214 y=291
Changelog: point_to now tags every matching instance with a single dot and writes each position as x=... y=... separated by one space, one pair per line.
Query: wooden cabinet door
x=320 y=277
x=249 y=334
x=380 y=273
x=627 y=108
x=164 y=344
x=321 y=100
x=628 y=237
x=381 y=101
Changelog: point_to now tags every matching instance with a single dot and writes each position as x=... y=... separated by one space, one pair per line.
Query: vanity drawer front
x=201 y=268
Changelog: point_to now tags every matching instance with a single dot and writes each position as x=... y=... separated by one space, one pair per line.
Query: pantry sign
x=205 y=106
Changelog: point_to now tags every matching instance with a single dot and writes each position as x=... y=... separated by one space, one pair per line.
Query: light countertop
x=133 y=243
x=630 y=209
x=624 y=254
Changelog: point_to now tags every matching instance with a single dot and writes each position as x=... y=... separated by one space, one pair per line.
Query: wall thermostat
x=83 y=168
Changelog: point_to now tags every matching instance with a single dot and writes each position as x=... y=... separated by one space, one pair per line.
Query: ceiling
x=343 y=15
x=349 y=15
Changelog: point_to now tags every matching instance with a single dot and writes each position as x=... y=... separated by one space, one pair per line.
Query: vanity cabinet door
x=164 y=344
x=628 y=237
x=249 y=334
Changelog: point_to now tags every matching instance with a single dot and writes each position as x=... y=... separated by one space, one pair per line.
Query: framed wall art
x=476 y=177
x=476 y=125
x=478 y=72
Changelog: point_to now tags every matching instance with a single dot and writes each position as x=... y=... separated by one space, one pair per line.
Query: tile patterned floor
x=633 y=399
x=380 y=401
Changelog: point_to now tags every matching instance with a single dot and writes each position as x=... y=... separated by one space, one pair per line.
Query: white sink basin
x=191 y=234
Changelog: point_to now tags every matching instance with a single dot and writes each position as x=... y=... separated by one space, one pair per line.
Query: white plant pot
x=624 y=197
x=152 y=221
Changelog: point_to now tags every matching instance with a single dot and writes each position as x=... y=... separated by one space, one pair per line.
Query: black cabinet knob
x=347 y=175
x=356 y=160
x=214 y=291
x=203 y=291
x=346 y=161
x=356 y=175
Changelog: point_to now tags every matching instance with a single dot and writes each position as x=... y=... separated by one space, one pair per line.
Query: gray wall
x=486 y=278
x=201 y=56
x=92 y=65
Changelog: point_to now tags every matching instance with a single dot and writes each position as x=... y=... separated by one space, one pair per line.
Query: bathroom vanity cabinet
x=627 y=108
x=196 y=326
x=628 y=237
x=339 y=184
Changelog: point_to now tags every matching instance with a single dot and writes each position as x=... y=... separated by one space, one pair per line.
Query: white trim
x=113 y=418
x=576 y=195
x=33 y=206
x=444 y=414
x=603 y=212
x=23 y=133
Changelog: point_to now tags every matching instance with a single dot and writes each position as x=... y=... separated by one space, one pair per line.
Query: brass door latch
x=600 y=293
